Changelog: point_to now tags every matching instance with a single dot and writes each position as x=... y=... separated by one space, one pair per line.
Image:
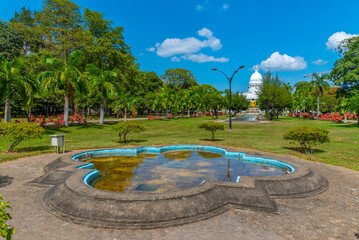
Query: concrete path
x=333 y=214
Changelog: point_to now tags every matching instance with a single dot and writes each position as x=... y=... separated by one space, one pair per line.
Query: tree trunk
x=7 y=112
x=345 y=117
x=189 y=113
x=66 y=109
x=166 y=112
x=28 y=114
x=76 y=108
x=158 y=113
x=102 y=110
x=317 y=105
x=176 y=114
x=125 y=117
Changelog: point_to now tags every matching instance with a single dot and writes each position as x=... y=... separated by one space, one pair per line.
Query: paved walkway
x=333 y=214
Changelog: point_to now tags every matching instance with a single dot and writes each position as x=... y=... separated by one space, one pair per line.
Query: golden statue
x=253 y=103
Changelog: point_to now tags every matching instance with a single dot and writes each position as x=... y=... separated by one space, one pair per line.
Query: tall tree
x=166 y=97
x=319 y=86
x=345 y=72
x=104 y=82
x=62 y=26
x=239 y=102
x=12 y=80
x=27 y=25
x=273 y=95
x=62 y=77
x=179 y=78
x=10 y=42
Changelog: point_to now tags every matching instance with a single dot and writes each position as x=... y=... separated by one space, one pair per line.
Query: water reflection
x=172 y=171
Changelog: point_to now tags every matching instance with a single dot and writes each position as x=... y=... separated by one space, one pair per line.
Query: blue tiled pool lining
x=92 y=176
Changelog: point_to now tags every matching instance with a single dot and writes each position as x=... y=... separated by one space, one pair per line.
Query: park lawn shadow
x=132 y=141
x=351 y=125
x=208 y=139
x=301 y=150
x=34 y=148
x=53 y=130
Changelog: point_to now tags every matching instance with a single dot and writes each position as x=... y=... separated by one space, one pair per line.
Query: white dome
x=254 y=84
x=256 y=76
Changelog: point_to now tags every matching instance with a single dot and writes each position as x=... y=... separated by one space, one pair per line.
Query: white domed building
x=254 y=83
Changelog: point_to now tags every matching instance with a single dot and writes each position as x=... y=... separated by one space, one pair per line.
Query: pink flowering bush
x=150 y=117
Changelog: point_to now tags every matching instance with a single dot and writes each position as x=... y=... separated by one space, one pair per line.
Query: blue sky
x=292 y=38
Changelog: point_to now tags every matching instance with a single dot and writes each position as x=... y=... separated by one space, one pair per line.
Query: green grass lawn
x=343 y=150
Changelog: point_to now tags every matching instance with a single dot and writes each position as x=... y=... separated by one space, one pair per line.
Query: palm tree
x=11 y=80
x=319 y=85
x=166 y=96
x=157 y=103
x=61 y=77
x=125 y=102
x=102 y=81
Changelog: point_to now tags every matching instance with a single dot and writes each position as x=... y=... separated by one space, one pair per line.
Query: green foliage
x=10 y=42
x=179 y=78
x=6 y=231
x=330 y=102
x=210 y=98
x=123 y=128
x=14 y=133
x=345 y=72
x=319 y=86
x=307 y=137
x=239 y=102
x=212 y=127
x=274 y=96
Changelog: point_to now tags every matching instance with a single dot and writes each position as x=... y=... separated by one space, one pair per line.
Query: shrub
x=14 y=133
x=307 y=137
x=123 y=128
x=212 y=127
x=150 y=117
x=6 y=231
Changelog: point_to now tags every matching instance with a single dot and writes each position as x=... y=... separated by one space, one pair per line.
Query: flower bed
x=336 y=117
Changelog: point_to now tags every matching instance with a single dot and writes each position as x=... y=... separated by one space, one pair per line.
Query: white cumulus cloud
x=320 y=62
x=336 y=38
x=202 y=58
x=187 y=48
x=279 y=62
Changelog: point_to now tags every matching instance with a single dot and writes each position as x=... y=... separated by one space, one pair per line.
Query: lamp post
x=230 y=92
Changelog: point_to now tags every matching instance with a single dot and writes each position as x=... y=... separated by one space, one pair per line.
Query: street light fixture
x=230 y=92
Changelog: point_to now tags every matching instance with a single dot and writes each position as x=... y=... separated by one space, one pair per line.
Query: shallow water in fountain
x=173 y=170
x=247 y=117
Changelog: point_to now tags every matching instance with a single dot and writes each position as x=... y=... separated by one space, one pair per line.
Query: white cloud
x=202 y=58
x=336 y=38
x=175 y=59
x=174 y=46
x=320 y=62
x=225 y=6
x=187 y=48
x=278 y=62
